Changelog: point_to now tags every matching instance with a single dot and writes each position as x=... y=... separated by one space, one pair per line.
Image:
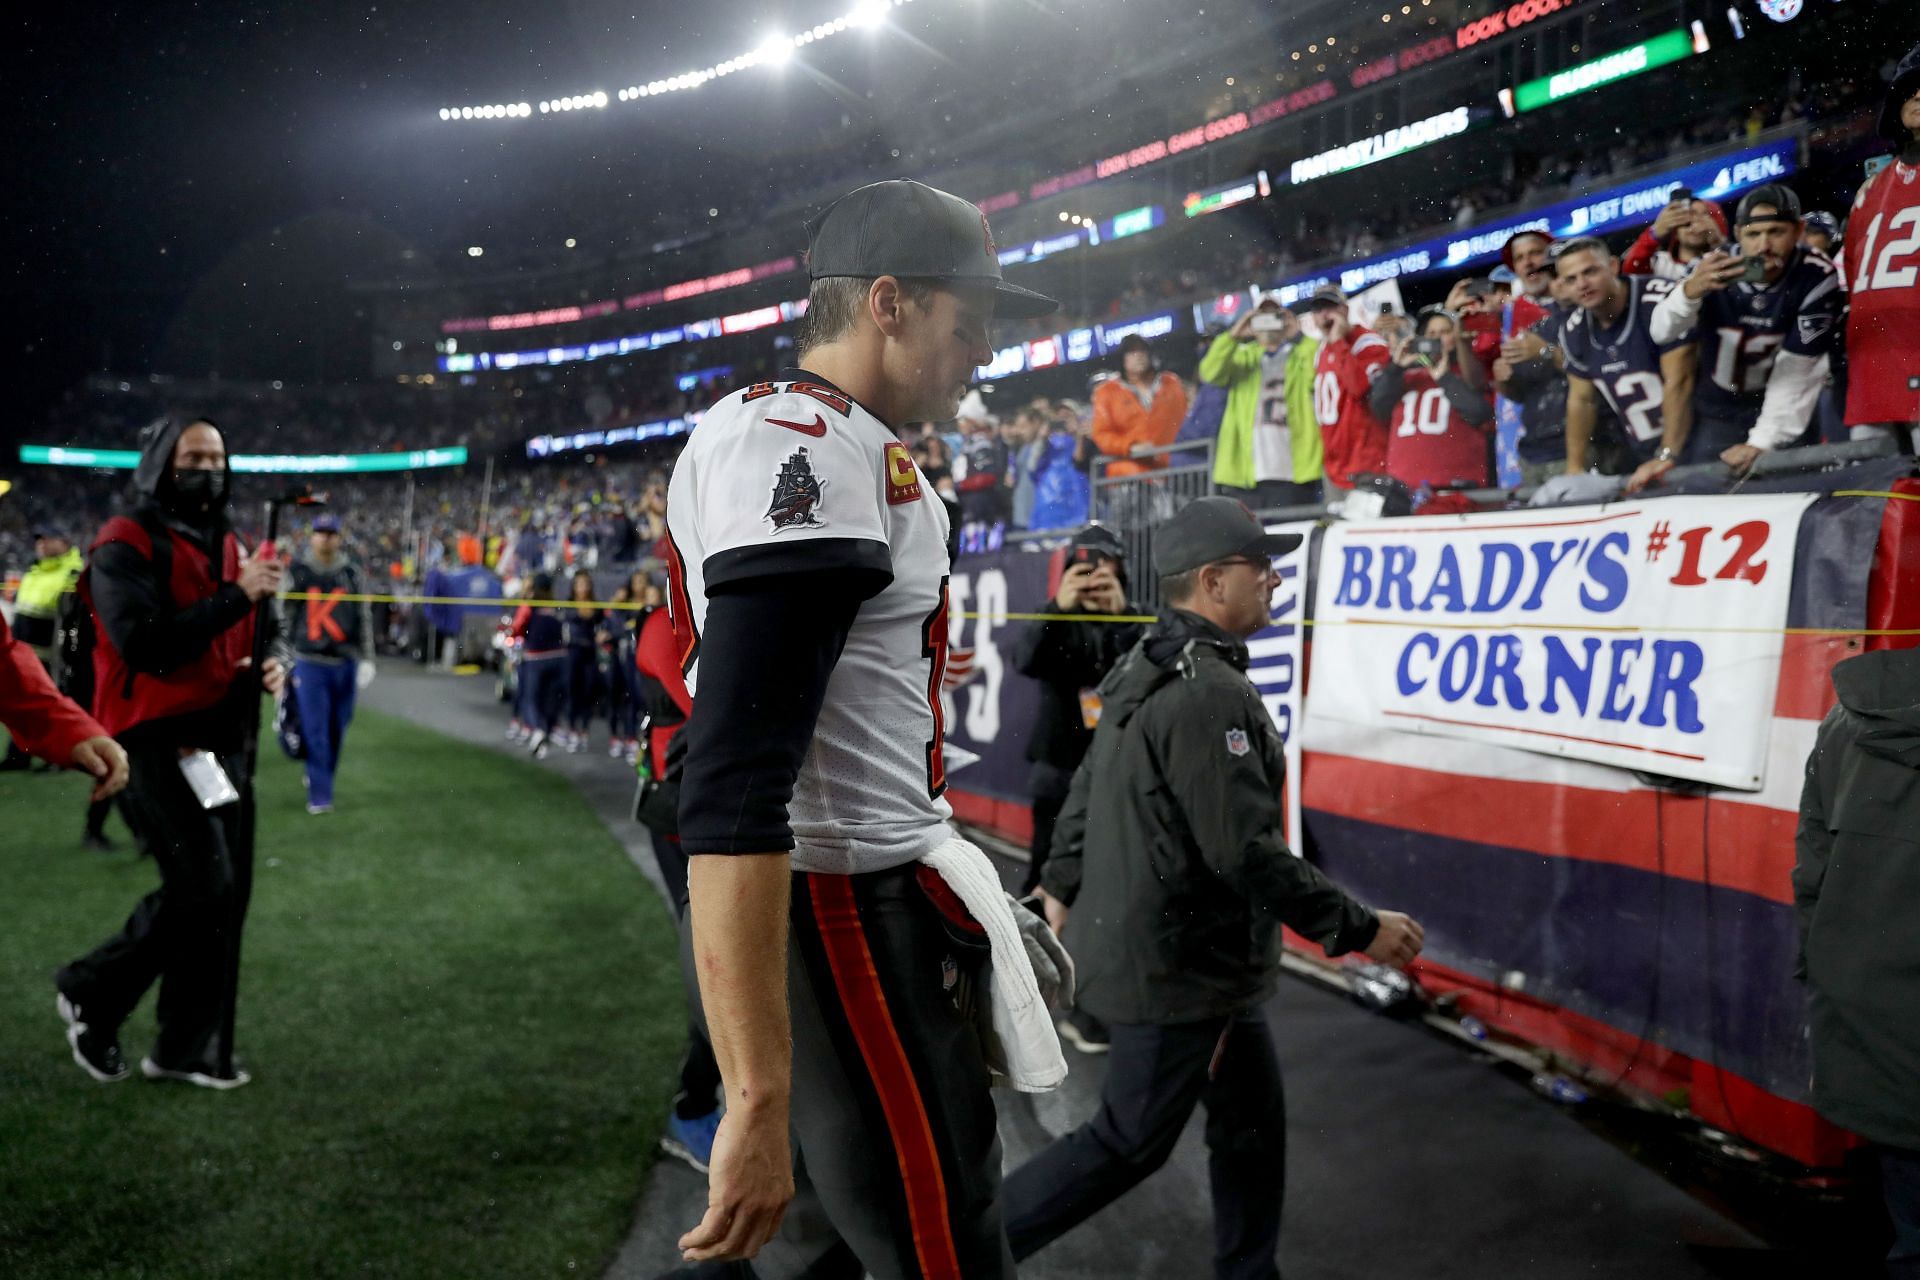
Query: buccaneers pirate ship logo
x=796 y=494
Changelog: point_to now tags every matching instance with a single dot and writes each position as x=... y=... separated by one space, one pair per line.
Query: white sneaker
x=154 y=1071
x=538 y=744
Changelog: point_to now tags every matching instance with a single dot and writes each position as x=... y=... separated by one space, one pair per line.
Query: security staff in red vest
x=173 y=601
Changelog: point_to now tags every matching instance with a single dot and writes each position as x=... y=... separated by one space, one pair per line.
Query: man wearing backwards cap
x=1763 y=343
x=1171 y=857
x=808 y=565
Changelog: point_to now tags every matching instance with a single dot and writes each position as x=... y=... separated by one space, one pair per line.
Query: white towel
x=1019 y=1038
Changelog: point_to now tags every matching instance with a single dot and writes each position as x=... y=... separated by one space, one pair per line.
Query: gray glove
x=1052 y=966
x=1587 y=487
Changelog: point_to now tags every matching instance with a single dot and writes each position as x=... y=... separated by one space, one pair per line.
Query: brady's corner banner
x=1276 y=661
x=1645 y=635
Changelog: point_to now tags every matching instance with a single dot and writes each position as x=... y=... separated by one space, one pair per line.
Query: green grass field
x=460 y=1004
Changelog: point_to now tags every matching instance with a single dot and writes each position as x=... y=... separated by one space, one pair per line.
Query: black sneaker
x=1085 y=1032
x=97 y=1053
x=97 y=841
x=203 y=1076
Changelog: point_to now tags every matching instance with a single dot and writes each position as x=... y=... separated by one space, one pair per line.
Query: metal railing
x=1132 y=504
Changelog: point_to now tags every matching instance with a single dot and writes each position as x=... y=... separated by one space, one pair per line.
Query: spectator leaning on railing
x=1437 y=424
x=1137 y=411
x=1268 y=452
x=1531 y=372
x=1762 y=331
x=1611 y=353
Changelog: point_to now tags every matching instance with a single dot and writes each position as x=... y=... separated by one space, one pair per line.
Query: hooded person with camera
x=175 y=600
x=1436 y=424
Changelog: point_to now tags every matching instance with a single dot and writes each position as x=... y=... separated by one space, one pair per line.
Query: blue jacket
x=1061 y=490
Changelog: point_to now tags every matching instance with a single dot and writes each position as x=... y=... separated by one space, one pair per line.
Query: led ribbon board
x=1619 y=65
x=255 y=463
x=1382 y=146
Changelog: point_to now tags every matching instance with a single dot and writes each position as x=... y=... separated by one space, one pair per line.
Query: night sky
x=181 y=162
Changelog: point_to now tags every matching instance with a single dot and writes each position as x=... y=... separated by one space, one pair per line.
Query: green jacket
x=1856 y=889
x=1169 y=849
x=1236 y=366
x=42 y=585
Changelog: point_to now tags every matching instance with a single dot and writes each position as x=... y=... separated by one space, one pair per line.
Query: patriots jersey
x=1623 y=361
x=1744 y=326
x=794 y=476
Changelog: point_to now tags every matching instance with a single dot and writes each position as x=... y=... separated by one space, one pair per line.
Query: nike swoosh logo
x=816 y=428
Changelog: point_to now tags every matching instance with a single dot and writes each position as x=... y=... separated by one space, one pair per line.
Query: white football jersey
x=791 y=476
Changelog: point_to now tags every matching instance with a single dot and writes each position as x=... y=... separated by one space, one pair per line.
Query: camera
x=1266 y=322
x=1429 y=348
x=1681 y=195
x=1092 y=557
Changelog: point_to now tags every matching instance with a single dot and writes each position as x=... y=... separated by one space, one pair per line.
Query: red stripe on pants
x=844 y=939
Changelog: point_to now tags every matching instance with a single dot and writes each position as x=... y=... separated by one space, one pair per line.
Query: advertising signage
x=1596 y=213
x=1619 y=65
x=1382 y=146
x=1252 y=187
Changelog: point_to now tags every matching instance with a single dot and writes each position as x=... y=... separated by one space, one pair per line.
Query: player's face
x=939 y=347
x=1772 y=242
x=1587 y=277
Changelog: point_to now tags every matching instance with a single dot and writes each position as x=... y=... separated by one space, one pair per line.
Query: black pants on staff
x=1155 y=1076
x=183 y=934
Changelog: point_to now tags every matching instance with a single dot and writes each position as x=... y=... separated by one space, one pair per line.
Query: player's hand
x=1713 y=273
x=273 y=676
x=1242 y=330
x=749 y=1185
x=1398 y=941
x=1460 y=301
x=363 y=674
x=1054 y=910
x=1525 y=345
x=1648 y=473
x=1073 y=583
x=1740 y=457
x=106 y=760
x=262 y=574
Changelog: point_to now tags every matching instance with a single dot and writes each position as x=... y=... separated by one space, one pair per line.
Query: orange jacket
x=1119 y=422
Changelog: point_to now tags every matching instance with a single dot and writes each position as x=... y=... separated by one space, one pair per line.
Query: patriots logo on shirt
x=796 y=494
x=1813 y=326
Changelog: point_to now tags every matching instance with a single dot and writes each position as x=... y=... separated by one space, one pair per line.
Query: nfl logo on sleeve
x=1237 y=744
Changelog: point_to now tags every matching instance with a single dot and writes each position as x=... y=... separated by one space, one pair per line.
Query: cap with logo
x=1208 y=530
x=906 y=228
x=1777 y=199
x=326 y=524
x=1327 y=296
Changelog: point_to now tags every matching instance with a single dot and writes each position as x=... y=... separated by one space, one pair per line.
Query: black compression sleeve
x=769 y=646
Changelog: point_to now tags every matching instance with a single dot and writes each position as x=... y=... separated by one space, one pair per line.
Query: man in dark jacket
x=1070 y=658
x=175 y=606
x=1169 y=853
x=1856 y=876
x=331 y=635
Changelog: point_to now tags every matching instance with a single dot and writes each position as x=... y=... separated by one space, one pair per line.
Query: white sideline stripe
x=1788 y=744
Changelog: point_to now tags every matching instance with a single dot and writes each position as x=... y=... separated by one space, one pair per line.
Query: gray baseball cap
x=1210 y=529
x=906 y=228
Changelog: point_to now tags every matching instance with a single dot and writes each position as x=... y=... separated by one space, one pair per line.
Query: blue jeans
x=545 y=681
x=325 y=691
